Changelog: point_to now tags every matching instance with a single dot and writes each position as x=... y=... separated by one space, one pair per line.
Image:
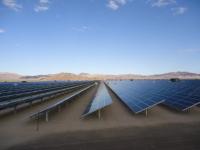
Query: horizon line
x=21 y=74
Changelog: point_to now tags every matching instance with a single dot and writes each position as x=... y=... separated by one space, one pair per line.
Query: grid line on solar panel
x=182 y=98
x=101 y=100
x=181 y=95
x=131 y=93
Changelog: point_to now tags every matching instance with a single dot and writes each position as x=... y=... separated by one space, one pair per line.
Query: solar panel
x=11 y=92
x=100 y=101
x=184 y=95
x=20 y=101
x=45 y=111
x=137 y=95
x=34 y=91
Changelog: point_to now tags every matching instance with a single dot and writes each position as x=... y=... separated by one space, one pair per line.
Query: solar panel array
x=137 y=95
x=46 y=110
x=100 y=101
x=182 y=95
x=34 y=91
x=140 y=95
x=11 y=88
x=40 y=90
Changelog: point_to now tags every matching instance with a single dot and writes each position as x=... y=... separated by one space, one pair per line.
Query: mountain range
x=5 y=76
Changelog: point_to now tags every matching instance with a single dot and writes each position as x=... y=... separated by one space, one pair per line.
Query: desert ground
x=118 y=128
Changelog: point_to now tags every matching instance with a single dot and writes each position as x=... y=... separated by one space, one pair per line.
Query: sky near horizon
x=99 y=36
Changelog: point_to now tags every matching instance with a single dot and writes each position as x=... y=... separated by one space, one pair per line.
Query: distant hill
x=86 y=76
x=6 y=76
x=181 y=75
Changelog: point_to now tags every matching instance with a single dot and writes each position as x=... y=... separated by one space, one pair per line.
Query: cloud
x=43 y=5
x=179 y=10
x=115 y=4
x=12 y=4
x=161 y=3
x=81 y=29
x=2 y=30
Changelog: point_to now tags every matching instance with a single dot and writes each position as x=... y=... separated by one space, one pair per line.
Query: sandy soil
x=117 y=129
x=165 y=137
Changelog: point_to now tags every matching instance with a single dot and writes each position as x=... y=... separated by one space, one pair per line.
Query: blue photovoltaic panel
x=61 y=102
x=183 y=95
x=44 y=93
x=139 y=95
x=180 y=95
x=101 y=100
x=18 y=90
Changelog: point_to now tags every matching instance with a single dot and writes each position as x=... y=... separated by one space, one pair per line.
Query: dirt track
x=117 y=129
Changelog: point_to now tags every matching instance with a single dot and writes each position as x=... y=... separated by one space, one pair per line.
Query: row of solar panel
x=100 y=101
x=42 y=95
x=140 y=95
x=17 y=88
x=34 y=91
x=58 y=104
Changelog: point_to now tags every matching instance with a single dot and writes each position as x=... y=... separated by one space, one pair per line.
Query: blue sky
x=99 y=36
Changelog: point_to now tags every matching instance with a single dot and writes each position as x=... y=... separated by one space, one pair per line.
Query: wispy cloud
x=115 y=4
x=161 y=3
x=43 y=5
x=179 y=10
x=2 y=30
x=12 y=4
x=81 y=29
x=176 y=10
